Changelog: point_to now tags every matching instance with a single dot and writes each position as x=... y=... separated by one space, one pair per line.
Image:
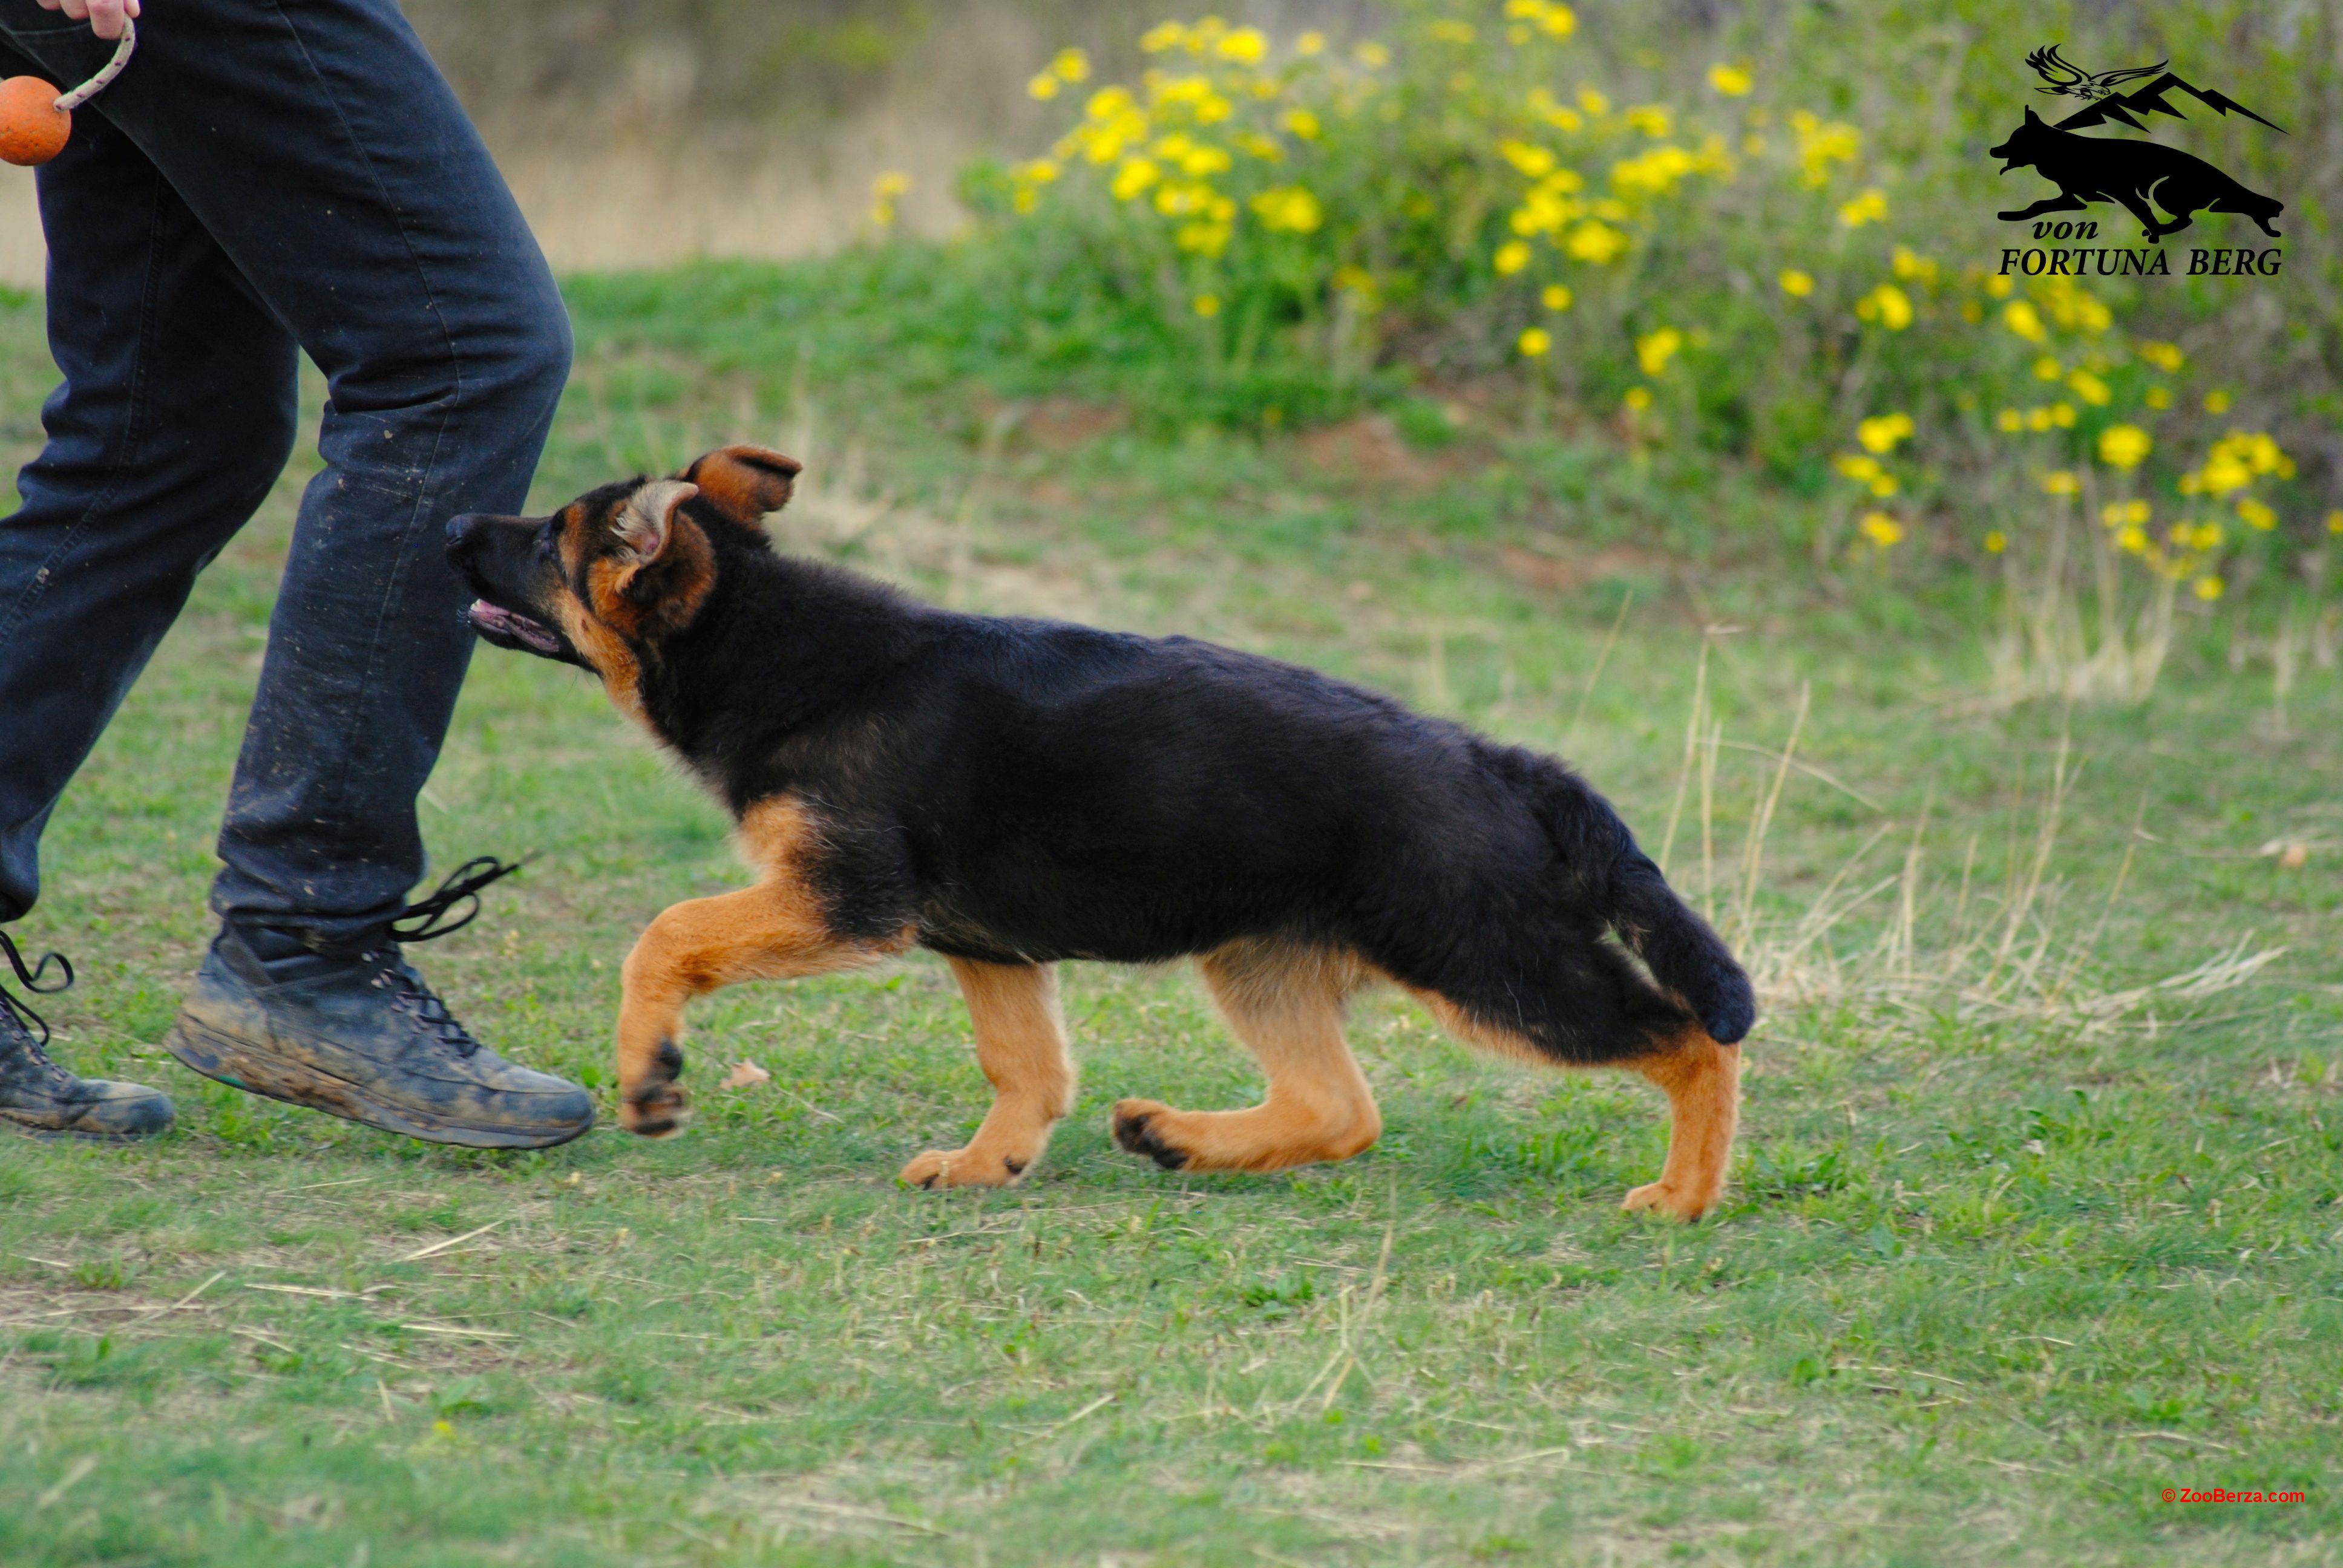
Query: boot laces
x=15 y=1011
x=426 y=920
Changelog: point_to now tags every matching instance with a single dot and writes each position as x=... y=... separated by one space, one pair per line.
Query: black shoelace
x=30 y=978
x=426 y=921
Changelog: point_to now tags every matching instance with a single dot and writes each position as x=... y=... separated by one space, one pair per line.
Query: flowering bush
x=1291 y=220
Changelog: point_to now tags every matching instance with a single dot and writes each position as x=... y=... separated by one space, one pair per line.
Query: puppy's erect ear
x=745 y=483
x=645 y=524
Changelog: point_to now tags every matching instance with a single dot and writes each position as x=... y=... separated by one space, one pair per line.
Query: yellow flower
x=1374 y=57
x=2204 y=536
x=1245 y=46
x=1881 y=529
x=2132 y=541
x=1884 y=486
x=2038 y=419
x=1731 y=80
x=1303 y=124
x=1310 y=43
x=1888 y=305
x=1593 y=102
x=1596 y=242
x=1207 y=305
x=2335 y=522
x=1070 y=66
x=2047 y=368
x=2062 y=482
x=2089 y=388
x=1882 y=431
x=2164 y=356
x=2124 y=446
x=1871 y=206
x=2009 y=420
x=2159 y=398
x=1638 y=399
x=1448 y=30
x=2216 y=402
x=1288 y=209
x=1652 y=119
x=1512 y=257
x=1133 y=178
x=1999 y=286
x=1527 y=157
x=1044 y=85
x=1797 y=285
x=1856 y=465
x=2115 y=514
x=1555 y=296
x=1655 y=349
x=1167 y=35
x=2020 y=317
x=1207 y=237
x=883 y=192
x=1534 y=341
x=2207 y=589
x=2255 y=515
x=2063 y=416
x=1996 y=541
x=1911 y=266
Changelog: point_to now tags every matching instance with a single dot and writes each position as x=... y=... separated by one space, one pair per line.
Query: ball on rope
x=36 y=120
x=33 y=129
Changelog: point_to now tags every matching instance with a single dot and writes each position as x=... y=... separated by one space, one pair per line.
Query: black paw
x=1137 y=1135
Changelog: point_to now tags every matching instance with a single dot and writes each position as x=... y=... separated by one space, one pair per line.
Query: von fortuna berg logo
x=2141 y=177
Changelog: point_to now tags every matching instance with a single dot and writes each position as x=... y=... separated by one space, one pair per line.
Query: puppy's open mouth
x=514 y=630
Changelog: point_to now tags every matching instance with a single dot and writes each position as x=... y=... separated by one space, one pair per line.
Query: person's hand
x=106 y=17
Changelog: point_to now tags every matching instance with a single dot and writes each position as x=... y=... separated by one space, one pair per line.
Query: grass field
x=2013 y=1246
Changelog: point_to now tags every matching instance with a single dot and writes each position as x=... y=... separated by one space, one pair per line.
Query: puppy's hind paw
x=1660 y=1197
x=1134 y=1129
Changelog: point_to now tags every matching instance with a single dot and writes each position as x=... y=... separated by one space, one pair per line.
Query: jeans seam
x=118 y=470
x=339 y=791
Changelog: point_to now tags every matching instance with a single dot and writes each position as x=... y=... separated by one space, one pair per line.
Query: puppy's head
x=604 y=581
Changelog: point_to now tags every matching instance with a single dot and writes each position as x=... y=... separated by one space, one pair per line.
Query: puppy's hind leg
x=1020 y=1044
x=1703 y=1081
x=1285 y=1003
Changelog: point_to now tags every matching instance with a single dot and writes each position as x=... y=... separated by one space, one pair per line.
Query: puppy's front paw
x=656 y=1108
x=1135 y=1129
x=967 y=1167
x=1668 y=1200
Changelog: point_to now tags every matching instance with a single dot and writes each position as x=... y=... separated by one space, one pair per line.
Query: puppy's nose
x=459 y=535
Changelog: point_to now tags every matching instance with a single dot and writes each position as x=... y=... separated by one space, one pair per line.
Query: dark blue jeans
x=264 y=179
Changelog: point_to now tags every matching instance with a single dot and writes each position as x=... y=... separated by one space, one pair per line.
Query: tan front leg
x=774 y=930
x=1702 y=1079
x=1286 y=1003
x=1020 y=1044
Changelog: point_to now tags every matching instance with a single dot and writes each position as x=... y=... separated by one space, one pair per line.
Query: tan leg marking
x=1702 y=1079
x=1286 y=1003
x=1020 y=1044
x=774 y=930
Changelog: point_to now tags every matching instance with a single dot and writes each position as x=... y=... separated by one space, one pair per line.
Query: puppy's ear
x=645 y=526
x=745 y=483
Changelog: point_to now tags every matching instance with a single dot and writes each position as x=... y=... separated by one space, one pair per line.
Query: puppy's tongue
x=487 y=617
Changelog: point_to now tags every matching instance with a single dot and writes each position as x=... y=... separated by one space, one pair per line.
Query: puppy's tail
x=1599 y=854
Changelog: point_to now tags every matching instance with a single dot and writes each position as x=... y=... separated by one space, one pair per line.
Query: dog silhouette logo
x=2139 y=175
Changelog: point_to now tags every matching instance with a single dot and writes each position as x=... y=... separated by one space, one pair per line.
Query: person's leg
x=322 y=150
x=174 y=416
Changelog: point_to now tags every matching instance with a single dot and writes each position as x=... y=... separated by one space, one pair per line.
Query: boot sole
x=234 y=1063
x=72 y=1135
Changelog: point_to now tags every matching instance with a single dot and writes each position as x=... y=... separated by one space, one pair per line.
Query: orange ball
x=33 y=129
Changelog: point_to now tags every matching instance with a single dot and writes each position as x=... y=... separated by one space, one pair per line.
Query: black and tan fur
x=1013 y=793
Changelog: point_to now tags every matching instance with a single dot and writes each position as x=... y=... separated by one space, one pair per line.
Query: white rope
x=99 y=83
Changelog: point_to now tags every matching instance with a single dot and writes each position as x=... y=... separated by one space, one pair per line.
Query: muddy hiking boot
x=40 y=1098
x=361 y=1036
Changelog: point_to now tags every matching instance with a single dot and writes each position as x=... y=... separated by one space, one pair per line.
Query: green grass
x=1987 y=1280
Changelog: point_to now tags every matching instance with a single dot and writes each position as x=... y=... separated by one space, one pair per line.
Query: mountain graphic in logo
x=2141 y=177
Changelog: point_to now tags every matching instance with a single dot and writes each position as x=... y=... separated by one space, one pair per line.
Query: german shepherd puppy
x=2118 y=169
x=1009 y=793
